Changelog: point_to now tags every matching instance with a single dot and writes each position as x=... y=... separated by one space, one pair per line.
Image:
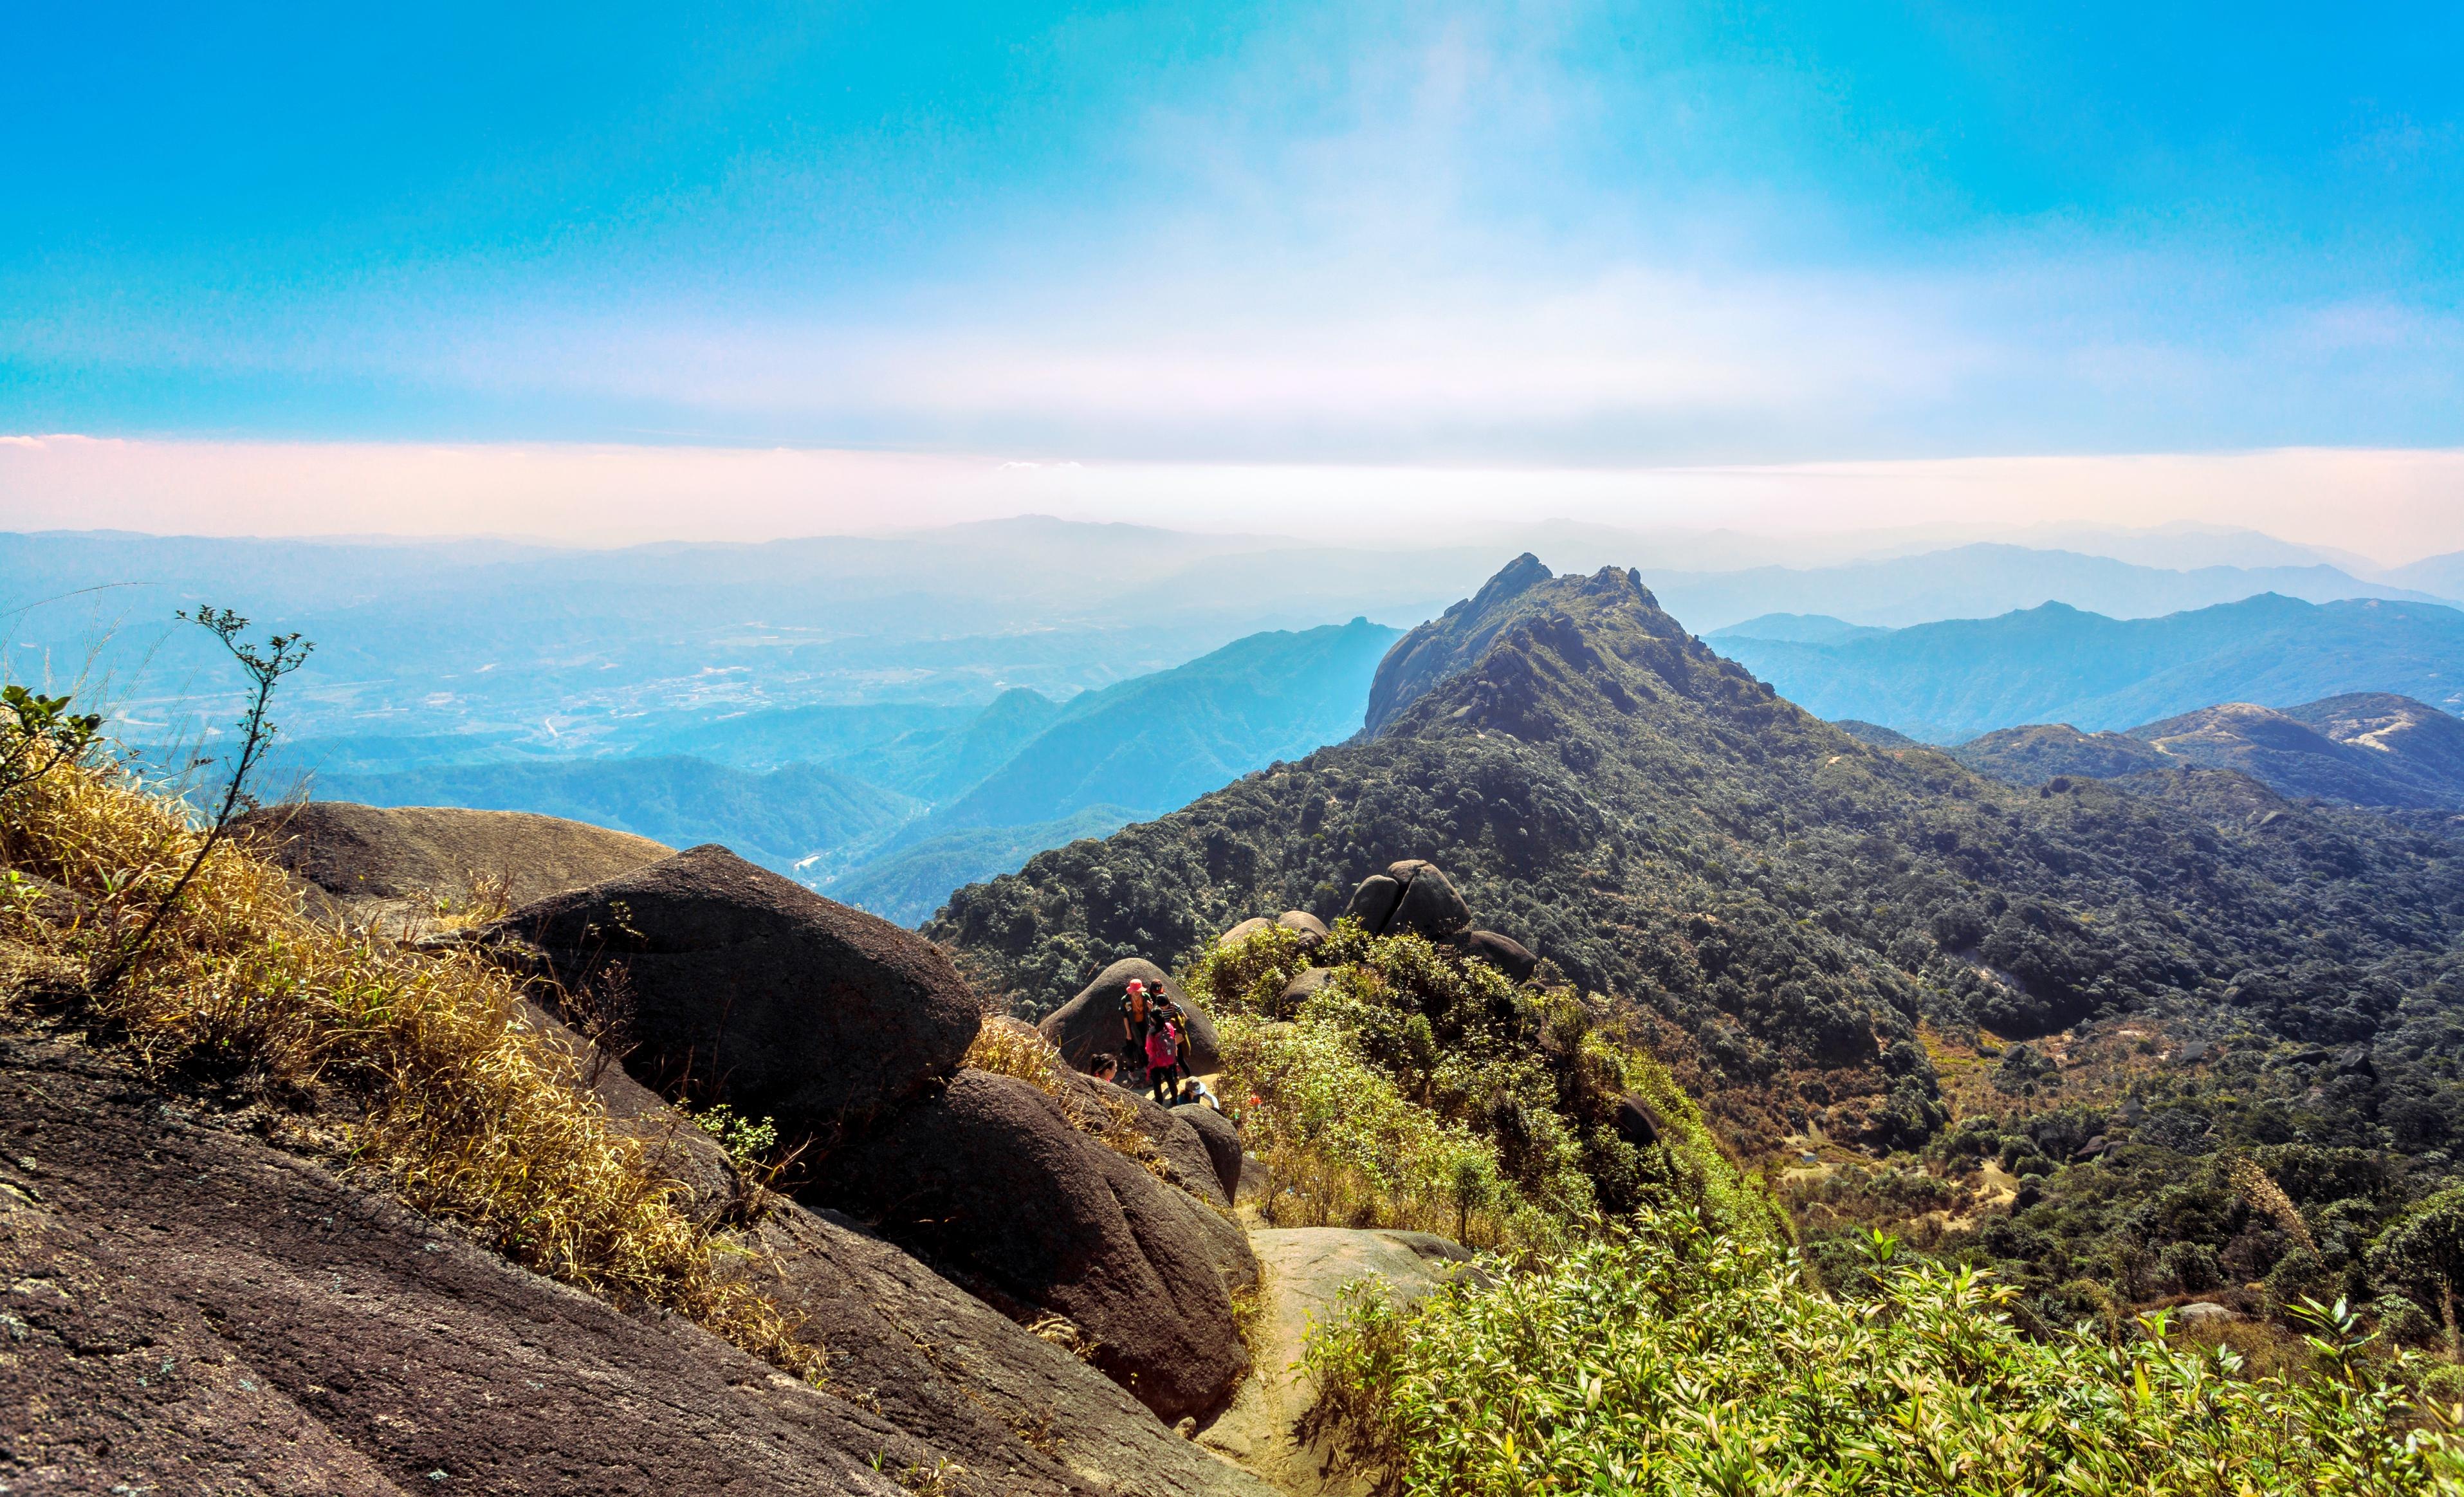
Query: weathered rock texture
x=1502 y=951
x=396 y=863
x=746 y=988
x=1188 y=1157
x=194 y=1309
x=1410 y=895
x=1221 y=1140
x=991 y=1184
x=1089 y=1025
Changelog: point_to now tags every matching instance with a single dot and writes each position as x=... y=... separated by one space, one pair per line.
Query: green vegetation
x=1811 y=934
x=1667 y=1358
x=1418 y=1089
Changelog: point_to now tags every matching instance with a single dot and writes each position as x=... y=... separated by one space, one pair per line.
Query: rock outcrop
x=1502 y=951
x=397 y=864
x=1188 y=1157
x=740 y=986
x=1089 y=1025
x=196 y=1309
x=1244 y=931
x=1221 y=1140
x=1410 y=895
x=1312 y=929
x=991 y=1184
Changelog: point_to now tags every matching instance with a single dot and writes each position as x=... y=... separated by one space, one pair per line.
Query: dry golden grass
x=410 y=1062
x=1008 y=1047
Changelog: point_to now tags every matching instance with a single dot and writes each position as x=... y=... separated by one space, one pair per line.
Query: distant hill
x=1796 y=628
x=2039 y=751
x=1987 y=579
x=1835 y=944
x=781 y=819
x=1153 y=743
x=2370 y=749
x=1947 y=682
x=909 y=885
x=909 y=802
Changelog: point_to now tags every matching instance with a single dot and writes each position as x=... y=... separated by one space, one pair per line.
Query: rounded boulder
x=1502 y=952
x=1088 y=1025
x=1241 y=932
x=733 y=984
x=990 y=1182
x=1312 y=929
x=1221 y=1140
x=1373 y=903
x=1429 y=905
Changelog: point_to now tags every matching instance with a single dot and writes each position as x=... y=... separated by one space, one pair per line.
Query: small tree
x=282 y=654
x=39 y=734
x=2424 y=1253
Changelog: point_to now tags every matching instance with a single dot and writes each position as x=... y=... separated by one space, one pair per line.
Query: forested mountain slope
x=2369 y=748
x=1787 y=903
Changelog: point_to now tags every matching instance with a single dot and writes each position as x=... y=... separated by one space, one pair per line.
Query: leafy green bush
x=1418 y=1087
x=1667 y=1358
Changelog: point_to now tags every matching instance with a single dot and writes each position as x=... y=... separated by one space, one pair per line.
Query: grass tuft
x=1008 y=1046
x=412 y=1064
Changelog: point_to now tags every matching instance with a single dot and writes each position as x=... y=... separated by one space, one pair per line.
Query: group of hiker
x=1155 y=1044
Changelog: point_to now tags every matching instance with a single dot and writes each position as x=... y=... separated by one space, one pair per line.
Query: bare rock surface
x=939 y=1362
x=1188 y=1158
x=1410 y=895
x=1221 y=1139
x=991 y=1184
x=192 y=1309
x=1089 y=1025
x=394 y=863
x=1307 y=1271
x=189 y=1308
x=744 y=987
x=1502 y=951
x=1312 y=929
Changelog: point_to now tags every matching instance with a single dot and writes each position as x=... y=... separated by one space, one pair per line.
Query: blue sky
x=1549 y=234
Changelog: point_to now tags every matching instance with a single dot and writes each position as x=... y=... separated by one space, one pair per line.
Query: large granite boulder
x=399 y=863
x=1221 y=1140
x=1089 y=1025
x=1242 y=931
x=1188 y=1158
x=1502 y=952
x=1018 y=1411
x=1429 y=906
x=736 y=985
x=1410 y=895
x=1312 y=929
x=1373 y=903
x=198 y=1309
x=991 y=1184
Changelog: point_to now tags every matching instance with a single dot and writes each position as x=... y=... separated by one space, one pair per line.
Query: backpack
x=1164 y=1046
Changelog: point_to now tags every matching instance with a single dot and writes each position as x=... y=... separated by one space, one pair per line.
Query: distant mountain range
x=899 y=804
x=1947 y=682
x=2372 y=749
x=565 y=653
